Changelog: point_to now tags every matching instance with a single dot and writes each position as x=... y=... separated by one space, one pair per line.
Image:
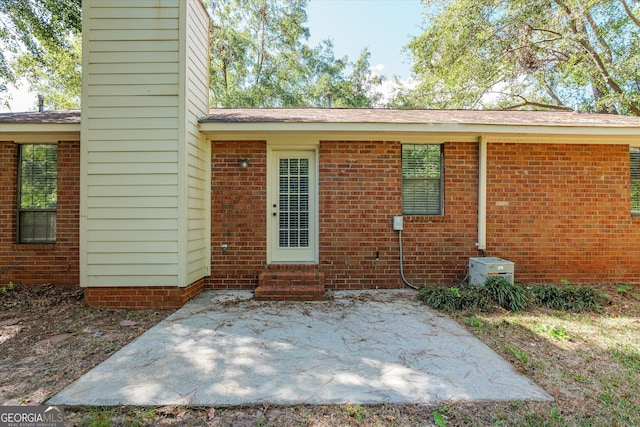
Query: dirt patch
x=48 y=338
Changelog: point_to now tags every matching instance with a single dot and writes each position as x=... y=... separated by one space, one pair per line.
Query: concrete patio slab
x=367 y=347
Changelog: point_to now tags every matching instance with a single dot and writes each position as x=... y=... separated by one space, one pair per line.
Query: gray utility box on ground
x=480 y=269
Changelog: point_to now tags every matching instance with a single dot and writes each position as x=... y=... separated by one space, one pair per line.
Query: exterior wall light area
x=244 y=163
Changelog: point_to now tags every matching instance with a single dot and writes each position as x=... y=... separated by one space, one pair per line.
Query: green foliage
x=568 y=298
x=556 y=332
x=628 y=355
x=356 y=412
x=452 y=299
x=499 y=292
x=99 y=417
x=8 y=288
x=623 y=289
x=260 y=58
x=521 y=355
x=439 y=419
x=55 y=74
x=507 y=295
x=533 y=54
x=38 y=176
x=474 y=322
x=130 y=416
x=38 y=28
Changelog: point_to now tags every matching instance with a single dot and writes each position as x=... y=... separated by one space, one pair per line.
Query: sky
x=382 y=26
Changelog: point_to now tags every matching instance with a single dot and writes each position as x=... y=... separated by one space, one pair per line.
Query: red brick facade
x=40 y=264
x=238 y=217
x=558 y=211
x=141 y=297
x=359 y=193
x=563 y=212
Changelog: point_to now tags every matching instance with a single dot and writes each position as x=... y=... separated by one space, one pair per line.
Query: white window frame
x=409 y=207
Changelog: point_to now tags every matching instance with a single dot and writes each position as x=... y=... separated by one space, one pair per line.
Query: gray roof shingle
x=467 y=117
x=369 y=116
x=45 y=117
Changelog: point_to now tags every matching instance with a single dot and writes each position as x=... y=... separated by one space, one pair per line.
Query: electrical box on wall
x=480 y=269
x=397 y=223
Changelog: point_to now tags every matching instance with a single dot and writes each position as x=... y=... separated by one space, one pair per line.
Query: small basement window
x=38 y=193
x=422 y=179
x=635 y=180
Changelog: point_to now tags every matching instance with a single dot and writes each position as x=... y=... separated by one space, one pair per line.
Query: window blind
x=38 y=175
x=421 y=179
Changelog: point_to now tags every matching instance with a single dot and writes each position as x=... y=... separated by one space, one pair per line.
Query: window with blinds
x=635 y=180
x=38 y=195
x=422 y=179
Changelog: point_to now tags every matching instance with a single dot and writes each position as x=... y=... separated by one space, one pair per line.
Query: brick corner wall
x=143 y=297
x=41 y=264
x=562 y=212
x=238 y=217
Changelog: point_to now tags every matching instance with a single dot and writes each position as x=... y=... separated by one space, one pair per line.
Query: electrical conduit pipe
x=482 y=194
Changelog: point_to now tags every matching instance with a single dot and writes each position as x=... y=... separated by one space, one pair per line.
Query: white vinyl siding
x=197 y=162
x=138 y=137
x=422 y=179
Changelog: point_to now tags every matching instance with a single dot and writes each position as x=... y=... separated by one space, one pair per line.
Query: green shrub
x=506 y=295
x=547 y=296
x=451 y=299
x=498 y=291
x=569 y=298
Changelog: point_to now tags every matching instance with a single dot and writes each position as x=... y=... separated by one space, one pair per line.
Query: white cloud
x=378 y=69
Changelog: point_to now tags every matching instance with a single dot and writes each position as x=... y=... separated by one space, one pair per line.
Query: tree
x=259 y=55
x=260 y=58
x=38 y=28
x=56 y=75
x=536 y=54
x=361 y=88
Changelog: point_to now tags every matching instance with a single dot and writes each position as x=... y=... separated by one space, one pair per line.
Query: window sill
x=424 y=219
x=34 y=246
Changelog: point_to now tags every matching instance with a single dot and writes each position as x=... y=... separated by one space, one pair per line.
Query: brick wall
x=238 y=217
x=141 y=297
x=559 y=211
x=359 y=193
x=562 y=212
x=39 y=264
x=359 y=189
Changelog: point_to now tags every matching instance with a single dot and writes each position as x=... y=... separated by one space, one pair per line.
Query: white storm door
x=292 y=210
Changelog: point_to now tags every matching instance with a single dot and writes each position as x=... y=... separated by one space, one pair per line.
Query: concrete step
x=290 y=285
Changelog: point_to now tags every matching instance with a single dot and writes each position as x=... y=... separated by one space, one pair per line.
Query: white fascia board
x=39 y=128
x=408 y=128
x=29 y=133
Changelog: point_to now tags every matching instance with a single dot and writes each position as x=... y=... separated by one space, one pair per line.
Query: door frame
x=272 y=177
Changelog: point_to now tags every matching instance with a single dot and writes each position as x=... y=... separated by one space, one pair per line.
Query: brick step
x=287 y=285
